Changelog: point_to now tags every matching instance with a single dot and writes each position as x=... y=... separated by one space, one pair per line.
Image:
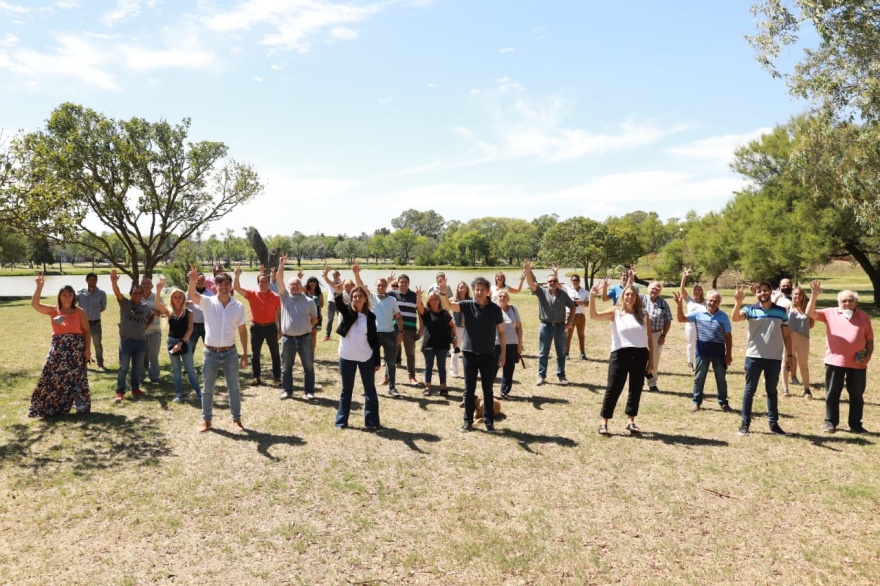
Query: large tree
x=587 y=243
x=429 y=224
x=141 y=180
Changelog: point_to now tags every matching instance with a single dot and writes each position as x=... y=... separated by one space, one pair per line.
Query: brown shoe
x=384 y=381
x=206 y=425
x=236 y=423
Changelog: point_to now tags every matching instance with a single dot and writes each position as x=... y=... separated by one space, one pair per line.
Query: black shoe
x=654 y=389
x=466 y=427
x=858 y=429
x=583 y=356
x=726 y=408
x=743 y=429
x=633 y=429
x=776 y=430
x=490 y=428
x=372 y=427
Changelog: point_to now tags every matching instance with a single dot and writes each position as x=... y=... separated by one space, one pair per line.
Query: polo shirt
x=297 y=312
x=712 y=332
x=384 y=309
x=92 y=303
x=406 y=302
x=845 y=337
x=765 y=331
x=221 y=323
x=480 y=325
x=263 y=305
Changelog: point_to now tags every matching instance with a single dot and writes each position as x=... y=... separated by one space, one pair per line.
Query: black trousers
x=486 y=365
x=626 y=362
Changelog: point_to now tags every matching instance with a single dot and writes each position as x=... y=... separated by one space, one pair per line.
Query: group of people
x=475 y=322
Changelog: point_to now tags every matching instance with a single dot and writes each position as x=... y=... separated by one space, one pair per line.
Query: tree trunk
x=865 y=262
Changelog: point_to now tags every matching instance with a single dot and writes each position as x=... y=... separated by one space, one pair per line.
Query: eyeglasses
x=575 y=280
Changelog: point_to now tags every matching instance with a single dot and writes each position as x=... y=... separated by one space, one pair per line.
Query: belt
x=553 y=323
x=94 y=321
x=220 y=348
x=272 y=323
x=299 y=336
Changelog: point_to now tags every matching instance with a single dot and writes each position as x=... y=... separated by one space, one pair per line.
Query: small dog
x=496 y=408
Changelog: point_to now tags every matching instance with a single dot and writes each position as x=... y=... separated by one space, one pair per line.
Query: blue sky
x=353 y=111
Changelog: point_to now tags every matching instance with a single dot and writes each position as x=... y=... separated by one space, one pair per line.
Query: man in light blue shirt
x=94 y=302
x=389 y=325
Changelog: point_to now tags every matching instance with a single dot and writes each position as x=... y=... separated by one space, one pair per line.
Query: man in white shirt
x=581 y=298
x=223 y=316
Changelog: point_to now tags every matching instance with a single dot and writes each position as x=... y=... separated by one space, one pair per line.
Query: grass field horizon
x=134 y=494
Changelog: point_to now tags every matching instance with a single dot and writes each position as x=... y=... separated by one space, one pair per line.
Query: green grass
x=133 y=494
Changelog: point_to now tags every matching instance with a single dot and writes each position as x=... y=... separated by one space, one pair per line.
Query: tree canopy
x=142 y=180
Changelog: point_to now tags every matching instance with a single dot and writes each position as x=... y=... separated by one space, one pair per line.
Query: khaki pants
x=800 y=350
x=580 y=321
x=655 y=357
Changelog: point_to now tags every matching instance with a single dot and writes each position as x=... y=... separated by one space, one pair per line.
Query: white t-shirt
x=581 y=296
x=627 y=332
x=354 y=345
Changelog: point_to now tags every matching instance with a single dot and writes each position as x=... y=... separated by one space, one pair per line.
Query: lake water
x=24 y=286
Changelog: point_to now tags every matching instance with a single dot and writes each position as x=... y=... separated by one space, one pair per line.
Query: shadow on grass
x=527 y=440
x=594 y=388
x=96 y=441
x=680 y=440
x=407 y=437
x=830 y=442
x=263 y=441
x=423 y=401
x=537 y=401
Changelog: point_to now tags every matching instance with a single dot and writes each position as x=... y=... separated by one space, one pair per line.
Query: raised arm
x=684 y=281
x=420 y=309
x=161 y=307
x=191 y=286
x=522 y=279
x=35 y=300
x=607 y=315
x=679 y=300
x=447 y=303
x=237 y=282
x=738 y=298
x=279 y=274
x=114 y=281
x=327 y=280
x=356 y=269
x=815 y=291
x=604 y=289
x=527 y=270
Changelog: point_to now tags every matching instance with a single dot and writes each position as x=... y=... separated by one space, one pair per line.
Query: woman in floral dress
x=64 y=382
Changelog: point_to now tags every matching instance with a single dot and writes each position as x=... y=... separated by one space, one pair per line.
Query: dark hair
x=67 y=289
x=764 y=284
x=258 y=277
x=91 y=275
x=314 y=280
x=222 y=276
x=467 y=294
x=362 y=291
x=135 y=288
x=480 y=281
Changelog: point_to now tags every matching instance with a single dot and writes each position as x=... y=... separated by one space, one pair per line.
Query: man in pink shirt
x=849 y=344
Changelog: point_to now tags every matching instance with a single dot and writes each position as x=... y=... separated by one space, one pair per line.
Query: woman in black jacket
x=358 y=350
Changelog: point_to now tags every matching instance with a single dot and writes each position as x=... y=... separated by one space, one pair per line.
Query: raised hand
x=740 y=293
x=193 y=273
x=40 y=279
x=815 y=287
x=356 y=267
x=160 y=284
x=238 y=269
x=678 y=297
x=595 y=289
x=114 y=276
x=418 y=291
x=300 y=273
x=527 y=266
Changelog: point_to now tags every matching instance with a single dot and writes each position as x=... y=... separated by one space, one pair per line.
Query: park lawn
x=133 y=494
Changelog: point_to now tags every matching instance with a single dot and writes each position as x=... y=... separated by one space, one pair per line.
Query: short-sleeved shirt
x=133 y=319
x=551 y=308
x=198 y=316
x=845 y=337
x=92 y=303
x=627 y=332
x=480 y=325
x=437 y=335
x=406 y=302
x=263 y=305
x=659 y=312
x=712 y=330
x=614 y=293
x=384 y=308
x=511 y=318
x=155 y=326
x=297 y=312
x=765 y=338
x=581 y=295
x=221 y=323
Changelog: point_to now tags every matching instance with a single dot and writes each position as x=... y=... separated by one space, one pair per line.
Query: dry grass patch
x=133 y=494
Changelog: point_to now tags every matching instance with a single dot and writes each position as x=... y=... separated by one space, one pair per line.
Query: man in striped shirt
x=714 y=346
x=406 y=303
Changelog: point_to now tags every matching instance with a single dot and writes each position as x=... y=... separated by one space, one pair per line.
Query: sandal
x=427 y=392
x=633 y=428
x=443 y=391
x=603 y=429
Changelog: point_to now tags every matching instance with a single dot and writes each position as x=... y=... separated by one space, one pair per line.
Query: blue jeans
x=131 y=353
x=855 y=380
x=440 y=355
x=198 y=332
x=771 y=368
x=347 y=369
x=210 y=368
x=509 y=366
x=151 y=358
x=701 y=371
x=331 y=313
x=290 y=347
x=486 y=365
x=388 y=341
x=186 y=360
x=555 y=334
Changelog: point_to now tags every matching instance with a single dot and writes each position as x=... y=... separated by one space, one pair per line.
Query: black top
x=177 y=326
x=437 y=336
x=480 y=325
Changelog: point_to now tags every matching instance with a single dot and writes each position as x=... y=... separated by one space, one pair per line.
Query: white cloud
x=278 y=66
x=258 y=79
x=9 y=40
x=138 y=58
x=122 y=11
x=506 y=50
x=430 y=86
x=75 y=58
x=717 y=148
x=385 y=101
x=295 y=22
x=14 y=8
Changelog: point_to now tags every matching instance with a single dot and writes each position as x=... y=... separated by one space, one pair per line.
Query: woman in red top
x=64 y=382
